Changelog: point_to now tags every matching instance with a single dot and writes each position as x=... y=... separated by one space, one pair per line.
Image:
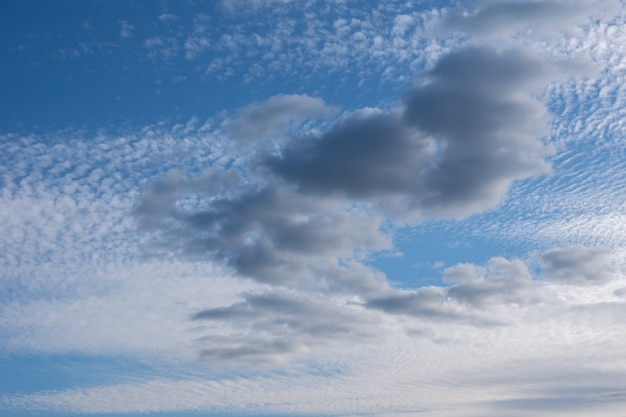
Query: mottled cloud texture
x=254 y=252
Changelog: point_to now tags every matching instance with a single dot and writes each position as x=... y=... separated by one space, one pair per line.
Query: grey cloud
x=502 y=281
x=281 y=323
x=477 y=104
x=258 y=121
x=366 y=153
x=473 y=289
x=460 y=141
x=309 y=216
x=427 y=303
x=268 y=234
x=605 y=312
x=578 y=265
x=500 y=18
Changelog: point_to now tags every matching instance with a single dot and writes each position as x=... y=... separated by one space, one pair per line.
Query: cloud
x=546 y=352
x=365 y=154
x=454 y=149
x=578 y=265
x=503 y=18
x=274 y=326
x=502 y=281
x=307 y=216
x=259 y=121
x=474 y=290
x=164 y=48
x=428 y=303
x=269 y=234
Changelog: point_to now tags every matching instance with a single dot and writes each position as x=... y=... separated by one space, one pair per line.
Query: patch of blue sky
x=424 y=251
x=30 y=372
x=103 y=64
x=23 y=373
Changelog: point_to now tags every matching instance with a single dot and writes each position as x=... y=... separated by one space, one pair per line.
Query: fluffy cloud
x=461 y=139
x=269 y=234
x=502 y=281
x=307 y=216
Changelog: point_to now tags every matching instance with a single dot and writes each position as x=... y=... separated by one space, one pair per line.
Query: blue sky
x=313 y=208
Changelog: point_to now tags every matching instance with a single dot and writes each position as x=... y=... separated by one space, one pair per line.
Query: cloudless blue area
x=65 y=64
x=41 y=372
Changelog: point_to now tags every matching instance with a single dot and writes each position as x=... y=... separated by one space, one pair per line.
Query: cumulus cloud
x=427 y=303
x=578 y=265
x=367 y=153
x=269 y=234
x=454 y=149
x=502 y=281
x=308 y=216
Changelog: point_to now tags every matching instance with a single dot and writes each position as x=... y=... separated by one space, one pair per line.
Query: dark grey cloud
x=366 y=153
x=461 y=139
x=478 y=104
x=578 y=265
x=620 y=292
x=268 y=234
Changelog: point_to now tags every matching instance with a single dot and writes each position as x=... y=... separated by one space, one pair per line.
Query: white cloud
x=578 y=265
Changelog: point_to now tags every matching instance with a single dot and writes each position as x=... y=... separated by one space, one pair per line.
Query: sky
x=313 y=208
